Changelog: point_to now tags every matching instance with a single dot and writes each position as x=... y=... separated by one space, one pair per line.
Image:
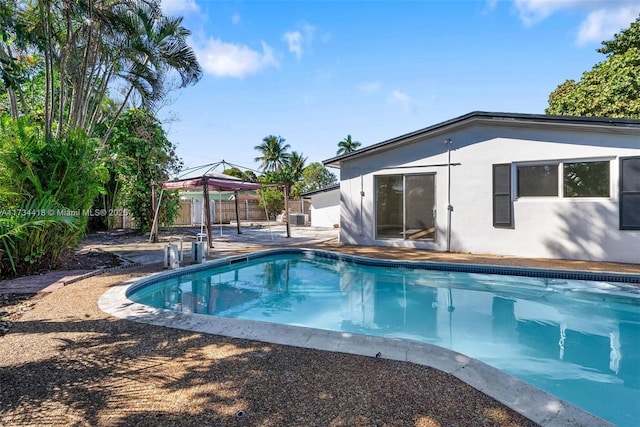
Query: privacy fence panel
x=225 y=211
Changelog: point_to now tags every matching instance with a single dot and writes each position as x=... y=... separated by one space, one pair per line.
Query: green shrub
x=47 y=186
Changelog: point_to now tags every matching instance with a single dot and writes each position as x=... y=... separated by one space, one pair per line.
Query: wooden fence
x=222 y=211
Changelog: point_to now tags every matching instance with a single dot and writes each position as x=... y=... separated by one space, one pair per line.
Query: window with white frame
x=537 y=180
x=566 y=179
x=586 y=179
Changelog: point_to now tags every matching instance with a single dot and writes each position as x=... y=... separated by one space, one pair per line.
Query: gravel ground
x=65 y=362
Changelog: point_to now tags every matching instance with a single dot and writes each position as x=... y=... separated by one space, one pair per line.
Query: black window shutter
x=630 y=193
x=502 y=204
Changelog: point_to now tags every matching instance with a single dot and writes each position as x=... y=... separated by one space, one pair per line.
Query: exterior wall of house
x=325 y=208
x=545 y=227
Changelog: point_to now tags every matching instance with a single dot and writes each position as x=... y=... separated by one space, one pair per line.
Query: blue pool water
x=574 y=339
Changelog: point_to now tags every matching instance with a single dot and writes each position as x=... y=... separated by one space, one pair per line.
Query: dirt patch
x=90 y=259
x=14 y=305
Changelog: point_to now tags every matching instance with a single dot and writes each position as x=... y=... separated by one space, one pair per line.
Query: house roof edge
x=501 y=118
x=321 y=190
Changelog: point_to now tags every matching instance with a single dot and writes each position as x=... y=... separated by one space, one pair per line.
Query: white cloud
x=401 y=99
x=533 y=11
x=603 y=19
x=294 y=40
x=369 y=87
x=308 y=30
x=299 y=39
x=602 y=24
x=172 y=7
x=234 y=60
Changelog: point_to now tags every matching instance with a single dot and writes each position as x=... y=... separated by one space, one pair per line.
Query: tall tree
x=158 y=48
x=274 y=153
x=143 y=156
x=88 y=47
x=347 y=145
x=611 y=88
x=294 y=170
x=315 y=176
x=623 y=41
x=15 y=60
x=297 y=161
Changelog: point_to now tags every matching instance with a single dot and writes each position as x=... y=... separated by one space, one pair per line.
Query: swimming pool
x=577 y=340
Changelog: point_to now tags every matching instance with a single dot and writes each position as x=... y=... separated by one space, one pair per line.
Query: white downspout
x=361 y=203
x=449 y=207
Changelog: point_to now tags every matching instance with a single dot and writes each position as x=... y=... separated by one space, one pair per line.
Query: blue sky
x=315 y=71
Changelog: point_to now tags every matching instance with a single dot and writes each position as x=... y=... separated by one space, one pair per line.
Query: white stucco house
x=499 y=183
x=325 y=206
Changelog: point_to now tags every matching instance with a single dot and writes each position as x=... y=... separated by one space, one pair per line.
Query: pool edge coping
x=529 y=401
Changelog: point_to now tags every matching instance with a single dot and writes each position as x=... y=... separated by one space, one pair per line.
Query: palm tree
x=88 y=48
x=158 y=49
x=274 y=153
x=292 y=174
x=347 y=145
x=297 y=162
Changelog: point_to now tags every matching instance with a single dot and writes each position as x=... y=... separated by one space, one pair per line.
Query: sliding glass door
x=405 y=207
x=419 y=203
x=389 y=211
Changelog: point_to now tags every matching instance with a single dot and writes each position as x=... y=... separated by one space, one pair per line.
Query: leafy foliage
x=20 y=225
x=47 y=186
x=272 y=199
x=279 y=167
x=83 y=49
x=247 y=175
x=293 y=175
x=611 y=88
x=61 y=62
x=623 y=41
x=347 y=145
x=142 y=156
x=315 y=176
x=274 y=153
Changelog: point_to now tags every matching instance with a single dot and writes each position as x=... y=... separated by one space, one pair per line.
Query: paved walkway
x=138 y=251
x=48 y=282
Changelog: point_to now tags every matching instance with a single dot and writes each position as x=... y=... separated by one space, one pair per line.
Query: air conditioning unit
x=297 y=219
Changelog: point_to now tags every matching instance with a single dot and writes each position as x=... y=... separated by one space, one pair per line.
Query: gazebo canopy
x=210 y=181
x=215 y=181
